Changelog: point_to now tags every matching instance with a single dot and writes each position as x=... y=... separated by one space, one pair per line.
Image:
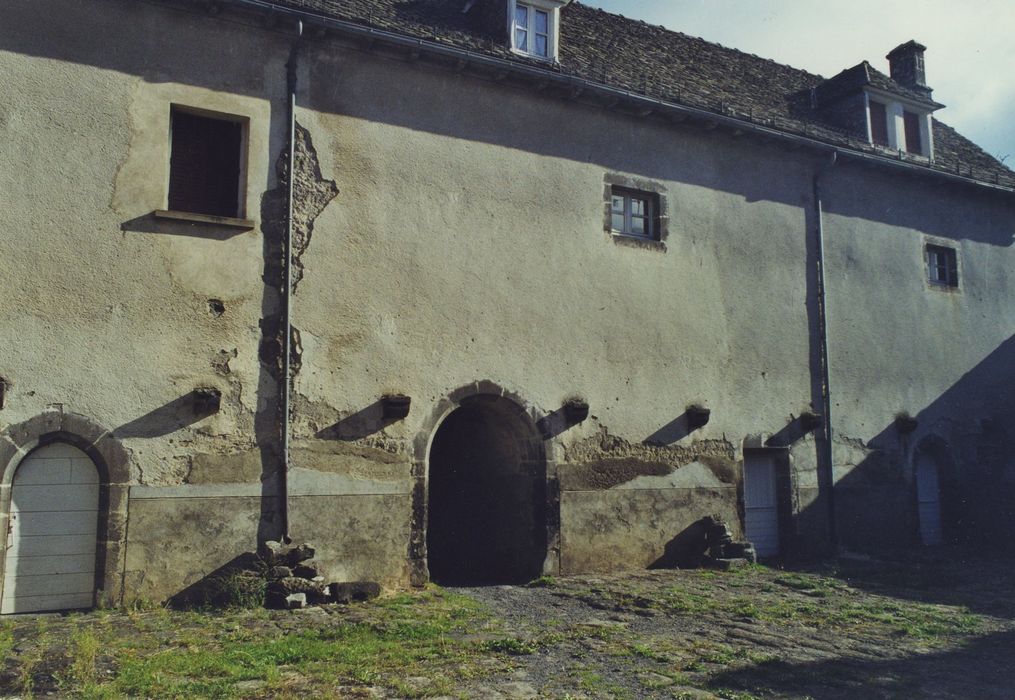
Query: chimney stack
x=906 y=66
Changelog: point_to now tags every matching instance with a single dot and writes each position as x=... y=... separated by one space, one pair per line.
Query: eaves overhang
x=573 y=87
x=921 y=106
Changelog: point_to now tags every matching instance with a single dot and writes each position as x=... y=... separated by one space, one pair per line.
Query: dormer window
x=534 y=27
x=898 y=125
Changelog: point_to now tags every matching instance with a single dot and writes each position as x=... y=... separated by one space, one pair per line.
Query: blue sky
x=970 y=46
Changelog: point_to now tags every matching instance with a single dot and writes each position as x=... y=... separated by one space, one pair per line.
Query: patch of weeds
x=726 y=694
x=650 y=653
x=601 y=632
x=592 y=682
x=239 y=591
x=510 y=645
x=6 y=641
x=29 y=662
x=85 y=653
x=744 y=608
x=542 y=582
x=142 y=605
x=714 y=653
x=550 y=639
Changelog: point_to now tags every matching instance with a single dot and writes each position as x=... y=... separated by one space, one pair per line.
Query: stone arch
x=512 y=425
x=113 y=465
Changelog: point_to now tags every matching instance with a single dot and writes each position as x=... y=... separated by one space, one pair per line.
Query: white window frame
x=950 y=265
x=552 y=10
x=894 y=108
x=651 y=225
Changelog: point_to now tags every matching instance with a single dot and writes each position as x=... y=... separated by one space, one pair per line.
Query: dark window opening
x=911 y=122
x=879 y=123
x=204 y=165
x=942 y=266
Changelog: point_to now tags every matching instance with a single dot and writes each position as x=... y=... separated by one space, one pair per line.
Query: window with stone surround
x=942 y=266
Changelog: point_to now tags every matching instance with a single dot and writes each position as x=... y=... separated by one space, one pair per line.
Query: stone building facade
x=512 y=314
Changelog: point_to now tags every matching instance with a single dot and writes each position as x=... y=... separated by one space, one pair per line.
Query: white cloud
x=970 y=50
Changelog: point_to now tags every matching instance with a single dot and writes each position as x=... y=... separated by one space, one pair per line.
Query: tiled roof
x=631 y=55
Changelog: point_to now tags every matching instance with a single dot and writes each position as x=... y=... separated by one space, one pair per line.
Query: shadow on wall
x=970 y=430
x=959 y=673
x=686 y=550
x=148 y=223
x=674 y=431
x=178 y=413
x=358 y=425
x=228 y=585
x=429 y=92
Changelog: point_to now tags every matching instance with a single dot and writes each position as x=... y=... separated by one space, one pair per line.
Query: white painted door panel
x=761 y=520
x=928 y=497
x=50 y=559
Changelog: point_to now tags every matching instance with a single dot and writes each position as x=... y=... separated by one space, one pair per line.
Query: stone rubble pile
x=722 y=551
x=295 y=581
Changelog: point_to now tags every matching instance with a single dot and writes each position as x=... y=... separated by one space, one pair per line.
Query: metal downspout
x=287 y=260
x=826 y=392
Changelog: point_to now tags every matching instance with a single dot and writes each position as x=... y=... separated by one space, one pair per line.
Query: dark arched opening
x=486 y=520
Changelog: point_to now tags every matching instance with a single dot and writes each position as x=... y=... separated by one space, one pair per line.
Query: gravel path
x=857 y=628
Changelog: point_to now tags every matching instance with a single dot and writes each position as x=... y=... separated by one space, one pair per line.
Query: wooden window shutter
x=204 y=165
x=879 y=123
x=911 y=122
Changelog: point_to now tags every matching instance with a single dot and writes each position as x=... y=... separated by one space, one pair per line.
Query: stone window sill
x=638 y=241
x=190 y=217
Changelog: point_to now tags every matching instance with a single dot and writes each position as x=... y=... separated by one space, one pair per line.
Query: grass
x=423 y=643
x=171 y=654
x=809 y=600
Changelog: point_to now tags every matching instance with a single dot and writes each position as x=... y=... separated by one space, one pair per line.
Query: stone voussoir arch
x=113 y=464
x=540 y=449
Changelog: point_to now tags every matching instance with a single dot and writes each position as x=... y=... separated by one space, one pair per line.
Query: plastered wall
x=450 y=242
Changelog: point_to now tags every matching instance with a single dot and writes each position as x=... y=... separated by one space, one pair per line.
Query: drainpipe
x=826 y=392
x=287 y=261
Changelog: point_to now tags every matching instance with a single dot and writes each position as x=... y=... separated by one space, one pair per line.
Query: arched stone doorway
x=53 y=532
x=19 y=442
x=937 y=499
x=486 y=494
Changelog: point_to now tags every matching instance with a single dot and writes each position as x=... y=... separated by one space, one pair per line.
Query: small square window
x=942 y=266
x=633 y=213
x=205 y=164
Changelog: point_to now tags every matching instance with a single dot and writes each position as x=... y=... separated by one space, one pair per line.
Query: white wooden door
x=51 y=540
x=928 y=499
x=761 y=518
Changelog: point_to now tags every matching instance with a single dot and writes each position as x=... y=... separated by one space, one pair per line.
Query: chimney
x=906 y=66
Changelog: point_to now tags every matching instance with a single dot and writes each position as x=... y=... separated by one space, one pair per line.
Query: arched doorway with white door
x=63 y=507
x=928 y=463
x=52 y=533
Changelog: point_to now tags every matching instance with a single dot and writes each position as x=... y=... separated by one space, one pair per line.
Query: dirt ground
x=935 y=625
